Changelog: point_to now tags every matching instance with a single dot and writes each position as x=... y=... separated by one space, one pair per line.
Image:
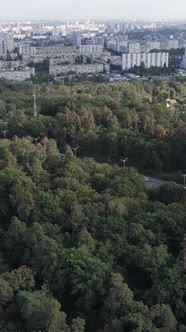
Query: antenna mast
x=35 y=106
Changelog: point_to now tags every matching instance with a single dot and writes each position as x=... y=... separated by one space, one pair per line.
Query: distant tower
x=35 y=106
x=76 y=39
x=183 y=64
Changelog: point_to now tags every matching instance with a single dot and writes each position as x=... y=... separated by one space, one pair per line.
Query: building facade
x=6 y=43
x=90 y=49
x=159 y=59
x=17 y=75
x=78 y=69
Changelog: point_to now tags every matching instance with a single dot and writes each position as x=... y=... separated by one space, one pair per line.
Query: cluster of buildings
x=122 y=44
x=151 y=50
x=11 y=68
x=84 y=47
x=66 y=59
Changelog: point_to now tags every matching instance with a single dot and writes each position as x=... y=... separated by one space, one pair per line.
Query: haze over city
x=97 y=9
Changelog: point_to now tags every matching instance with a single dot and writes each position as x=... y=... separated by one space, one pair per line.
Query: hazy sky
x=92 y=9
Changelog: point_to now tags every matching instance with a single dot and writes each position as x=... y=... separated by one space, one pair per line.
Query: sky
x=92 y=9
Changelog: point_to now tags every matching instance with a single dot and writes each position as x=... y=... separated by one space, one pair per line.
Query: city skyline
x=99 y=9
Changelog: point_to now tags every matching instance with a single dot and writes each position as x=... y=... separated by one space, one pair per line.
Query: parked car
x=146 y=178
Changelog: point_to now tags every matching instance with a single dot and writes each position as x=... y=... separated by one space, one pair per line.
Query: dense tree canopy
x=84 y=244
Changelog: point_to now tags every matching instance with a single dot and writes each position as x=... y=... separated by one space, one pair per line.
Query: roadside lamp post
x=75 y=150
x=184 y=176
x=36 y=140
x=124 y=161
x=4 y=133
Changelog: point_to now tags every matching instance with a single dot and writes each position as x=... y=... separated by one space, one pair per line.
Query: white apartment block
x=35 y=58
x=149 y=46
x=17 y=75
x=119 y=46
x=63 y=58
x=116 y=60
x=159 y=59
x=134 y=47
x=122 y=46
x=112 y=44
x=49 y=51
x=79 y=69
x=125 y=46
x=172 y=43
x=9 y=64
x=155 y=45
x=90 y=49
x=27 y=50
x=76 y=39
x=181 y=42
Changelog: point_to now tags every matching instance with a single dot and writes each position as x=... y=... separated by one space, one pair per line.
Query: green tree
x=78 y=325
x=41 y=312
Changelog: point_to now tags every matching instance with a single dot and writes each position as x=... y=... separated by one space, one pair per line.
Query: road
x=151 y=182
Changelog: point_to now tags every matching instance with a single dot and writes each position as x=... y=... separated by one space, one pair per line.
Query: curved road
x=151 y=182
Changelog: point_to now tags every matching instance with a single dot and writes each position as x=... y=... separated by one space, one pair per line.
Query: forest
x=85 y=244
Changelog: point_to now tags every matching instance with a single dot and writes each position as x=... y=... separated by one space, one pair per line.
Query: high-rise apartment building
x=90 y=49
x=27 y=50
x=76 y=39
x=6 y=42
x=159 y=59
x=134 y=47
x=183 y=64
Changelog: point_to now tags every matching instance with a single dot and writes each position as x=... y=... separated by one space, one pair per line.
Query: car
x=146 y=178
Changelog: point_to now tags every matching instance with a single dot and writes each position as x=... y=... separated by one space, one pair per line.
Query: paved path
x=152 y=182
